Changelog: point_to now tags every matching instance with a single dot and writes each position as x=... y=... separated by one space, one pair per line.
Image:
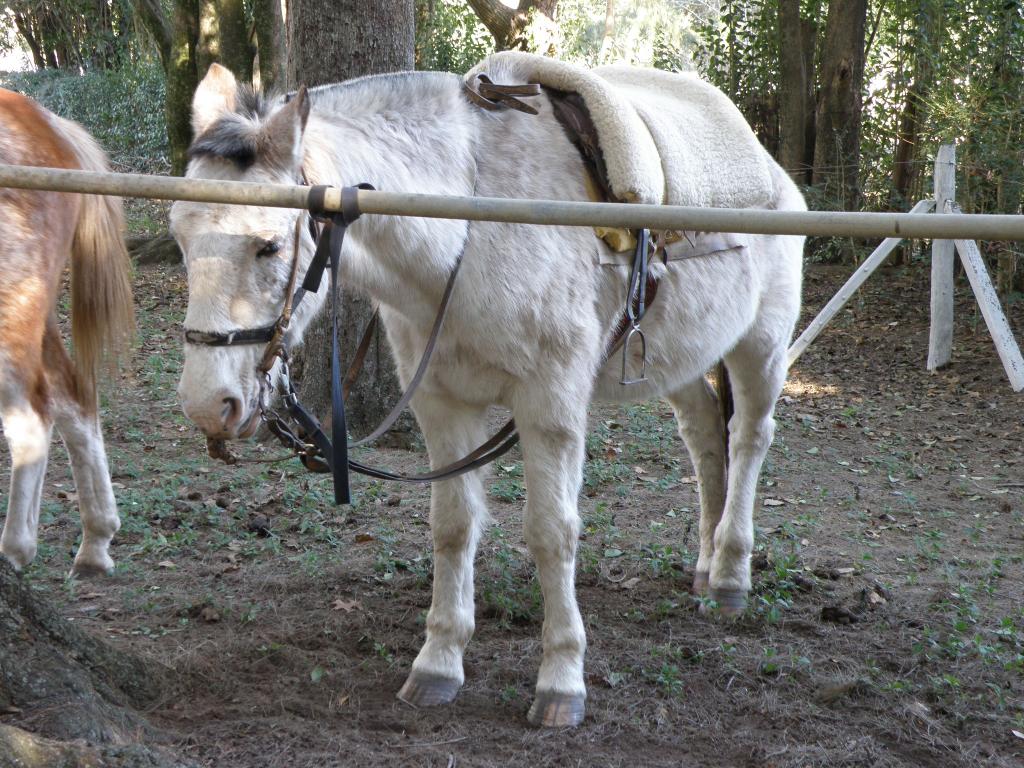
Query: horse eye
x=269 y=249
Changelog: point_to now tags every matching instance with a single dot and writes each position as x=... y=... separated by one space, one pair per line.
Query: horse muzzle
x=223 y=416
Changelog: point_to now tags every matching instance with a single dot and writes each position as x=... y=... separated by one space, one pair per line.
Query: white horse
x=526 y=328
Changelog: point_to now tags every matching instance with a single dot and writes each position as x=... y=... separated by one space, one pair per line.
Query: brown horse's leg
x=27 y=429
x=79 y=427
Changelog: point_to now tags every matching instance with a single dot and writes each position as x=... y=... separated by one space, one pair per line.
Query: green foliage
x=652 y=33
x=961 y=65
x=658 y=33
x=450 y=38
x=123 y=109
x=74 y=35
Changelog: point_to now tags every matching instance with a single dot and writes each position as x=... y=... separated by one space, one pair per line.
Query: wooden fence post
x=940 y=336
x=992 y=311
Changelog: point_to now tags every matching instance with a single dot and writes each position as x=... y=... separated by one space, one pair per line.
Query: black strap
x=636 y=299
x=231 y=338
x=339 y=432
x=328 y=253
x=499 y=443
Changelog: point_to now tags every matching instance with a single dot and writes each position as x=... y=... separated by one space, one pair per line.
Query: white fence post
x=940 y=336
x=992 y=311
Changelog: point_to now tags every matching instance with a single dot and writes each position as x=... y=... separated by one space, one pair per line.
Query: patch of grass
x=510 y=591
x=773 y=593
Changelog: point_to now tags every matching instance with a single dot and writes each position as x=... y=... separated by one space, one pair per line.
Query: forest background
x=852 y=97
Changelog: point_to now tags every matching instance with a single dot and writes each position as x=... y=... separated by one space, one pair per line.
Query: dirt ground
x=887 y=625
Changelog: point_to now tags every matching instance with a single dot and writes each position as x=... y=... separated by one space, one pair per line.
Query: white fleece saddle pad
x=666 y=138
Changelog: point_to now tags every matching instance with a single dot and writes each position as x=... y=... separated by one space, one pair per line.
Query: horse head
x=238 y=258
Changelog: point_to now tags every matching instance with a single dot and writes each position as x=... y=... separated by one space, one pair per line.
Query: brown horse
x=39 y=384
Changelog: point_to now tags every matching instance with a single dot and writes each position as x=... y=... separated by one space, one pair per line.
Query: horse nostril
x=232 y=413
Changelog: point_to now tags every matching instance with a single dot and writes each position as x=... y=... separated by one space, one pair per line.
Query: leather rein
x=298 y=429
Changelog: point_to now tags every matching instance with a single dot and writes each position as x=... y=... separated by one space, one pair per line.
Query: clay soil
x=886 y=627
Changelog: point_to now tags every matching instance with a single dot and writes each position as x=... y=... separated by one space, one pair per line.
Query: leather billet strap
x=492 y=96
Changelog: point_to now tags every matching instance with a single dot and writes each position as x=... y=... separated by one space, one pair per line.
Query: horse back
x=33 y=237
x=39 y=232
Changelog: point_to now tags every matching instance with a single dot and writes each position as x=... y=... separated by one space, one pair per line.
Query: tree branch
x=498 y=18
x=155 y=20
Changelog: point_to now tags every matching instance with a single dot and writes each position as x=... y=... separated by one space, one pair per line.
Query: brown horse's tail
x=102 y=314
x=723 y=389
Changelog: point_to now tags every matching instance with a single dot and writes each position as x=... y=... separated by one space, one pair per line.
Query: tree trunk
x=25 y=30
x=809 y=35
x=792 y=90
x=912 y=118
x=198 y=33
x=151 y=13
x=224 y=38
x=63 y=692
x=270 y=44
x=837 y=148
x=47 y=33
x=182 y=79
x=330 y=41
x=1006 y=87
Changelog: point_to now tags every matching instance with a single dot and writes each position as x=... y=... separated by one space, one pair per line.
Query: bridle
x=317 y=451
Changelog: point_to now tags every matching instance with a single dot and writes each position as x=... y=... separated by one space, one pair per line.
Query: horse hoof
x=91 y=570
x=700 y=583
x=19 y=557
x=423 y=689
x=731 y=602
x=557 y=710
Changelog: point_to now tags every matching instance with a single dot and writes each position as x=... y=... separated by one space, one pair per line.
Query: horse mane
x=235 y=136
x=238 y=136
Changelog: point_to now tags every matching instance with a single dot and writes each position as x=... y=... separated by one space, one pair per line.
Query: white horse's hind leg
x=701 y=427
x=96 y=504
x=457 y=513
x=28 y=436
x=757 y=368
x=553 y=461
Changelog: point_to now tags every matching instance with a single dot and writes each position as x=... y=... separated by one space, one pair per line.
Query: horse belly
x=703 y=307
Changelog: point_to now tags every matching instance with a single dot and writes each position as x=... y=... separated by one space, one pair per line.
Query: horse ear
x=215 y=96
x=284 y=132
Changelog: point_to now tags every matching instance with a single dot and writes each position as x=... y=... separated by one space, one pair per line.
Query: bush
x=123 y=109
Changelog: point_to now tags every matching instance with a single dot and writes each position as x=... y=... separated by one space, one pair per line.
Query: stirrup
x=635 y=330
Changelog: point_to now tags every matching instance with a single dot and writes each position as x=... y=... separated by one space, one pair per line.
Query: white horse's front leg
x=553 y=461
x=28 y=436
x=458 y=511
x=96 y=504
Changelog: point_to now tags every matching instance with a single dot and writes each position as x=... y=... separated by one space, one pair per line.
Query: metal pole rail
x=634 y=216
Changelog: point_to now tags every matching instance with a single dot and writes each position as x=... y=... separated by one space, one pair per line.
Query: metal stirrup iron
x=636 y=306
